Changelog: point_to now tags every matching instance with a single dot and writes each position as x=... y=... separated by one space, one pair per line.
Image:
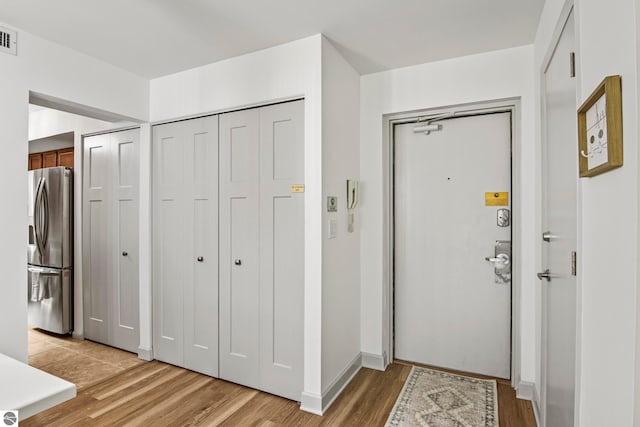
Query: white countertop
x=30 y=390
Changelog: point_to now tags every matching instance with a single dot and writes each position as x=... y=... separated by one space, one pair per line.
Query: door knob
x=546 y=275
x=200 y=259
x=547 y=236
x=500 y=258
x=125 y=253
x=238 y=262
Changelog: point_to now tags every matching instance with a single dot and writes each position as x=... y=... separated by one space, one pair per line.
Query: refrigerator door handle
x=45 y=214
x=43 y=271
x=36 y=217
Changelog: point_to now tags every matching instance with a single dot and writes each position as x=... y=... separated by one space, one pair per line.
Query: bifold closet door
x=96 y=237
x=239 y=262
x=185 y=254
x=282 y=249
x=110 y=239
x=262 y=248
x=125 y=296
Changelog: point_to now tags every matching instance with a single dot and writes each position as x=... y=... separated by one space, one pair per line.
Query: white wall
x=46 y=68
x=47 y=122
x=282 y=72
x=484 y=77
x=341 y=255
x=55 y=142
x=607 y=45
x=607 y=249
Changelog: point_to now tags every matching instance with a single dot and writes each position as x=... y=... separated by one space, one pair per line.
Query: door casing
x=508 y=105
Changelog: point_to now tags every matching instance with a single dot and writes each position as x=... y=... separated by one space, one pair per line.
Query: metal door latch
x=502 y=261
x=545 y=275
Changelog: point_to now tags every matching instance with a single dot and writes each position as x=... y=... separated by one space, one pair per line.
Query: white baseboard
x=536 y=412
x=525 y=390
x=317 y=404
x=311 y=402
x=334 y=390
x=145 y=354
x=373 y=361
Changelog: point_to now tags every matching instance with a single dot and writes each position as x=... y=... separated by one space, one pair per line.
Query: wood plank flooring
x=153 y=393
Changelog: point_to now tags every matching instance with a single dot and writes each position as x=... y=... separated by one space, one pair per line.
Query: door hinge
x=572 y=64
x=574 y=263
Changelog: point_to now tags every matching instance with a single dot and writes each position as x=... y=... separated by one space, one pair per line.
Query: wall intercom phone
x=352 y=201
x=352 y=194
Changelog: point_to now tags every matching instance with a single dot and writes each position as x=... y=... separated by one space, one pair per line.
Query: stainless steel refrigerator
x=50 y=250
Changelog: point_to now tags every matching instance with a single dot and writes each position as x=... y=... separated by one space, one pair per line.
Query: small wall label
x=297 y=188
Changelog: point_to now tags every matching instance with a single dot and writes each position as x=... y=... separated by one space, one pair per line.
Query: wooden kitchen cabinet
x=65 y=157
x=35 y=161
x=49 y=159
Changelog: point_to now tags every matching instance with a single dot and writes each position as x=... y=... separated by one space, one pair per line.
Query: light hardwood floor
x=115 y=388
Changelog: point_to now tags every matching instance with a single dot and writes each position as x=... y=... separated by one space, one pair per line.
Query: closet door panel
x=201 y=278
x=239 y=269
x=281 y=249
x=168 y=239
x=125 y=290
x=96 y=232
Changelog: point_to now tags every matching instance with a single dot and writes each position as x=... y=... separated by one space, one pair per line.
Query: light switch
x=333 y=228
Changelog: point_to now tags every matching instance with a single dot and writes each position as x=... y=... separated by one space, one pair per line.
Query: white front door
x=560 y=171
x=451 y=308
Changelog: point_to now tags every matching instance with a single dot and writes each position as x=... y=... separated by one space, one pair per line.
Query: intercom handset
x=352 y=194
x=352 y=201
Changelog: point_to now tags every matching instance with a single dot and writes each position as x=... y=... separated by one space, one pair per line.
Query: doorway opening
x=54 y=281
x=430 y=237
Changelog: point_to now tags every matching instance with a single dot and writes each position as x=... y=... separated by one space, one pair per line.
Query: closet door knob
x=238 y=262
x=125 y=253
x=200 y=259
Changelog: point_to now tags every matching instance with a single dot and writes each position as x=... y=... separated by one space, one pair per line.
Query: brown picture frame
x=611 y=89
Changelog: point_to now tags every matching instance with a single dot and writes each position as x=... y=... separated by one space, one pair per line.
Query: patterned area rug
x=440 y=399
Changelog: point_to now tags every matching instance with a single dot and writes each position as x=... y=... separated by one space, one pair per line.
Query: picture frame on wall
x=600 y=129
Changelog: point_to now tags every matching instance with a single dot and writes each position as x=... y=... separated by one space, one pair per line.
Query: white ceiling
x=152 y=38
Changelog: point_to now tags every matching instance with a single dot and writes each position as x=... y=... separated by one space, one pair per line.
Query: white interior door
x=168 y=242
x=200 y=282
x=281 y=249
x=185 y=256
x=560 y=172
x=110 y=239
x=96 y=232
x=125 y=307
x=239 y=238
x=262 y=248
x=449 y=310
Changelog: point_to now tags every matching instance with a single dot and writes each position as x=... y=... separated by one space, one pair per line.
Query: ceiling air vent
x=8 y=41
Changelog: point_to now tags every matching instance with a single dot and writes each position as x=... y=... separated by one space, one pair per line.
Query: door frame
x=511 y=105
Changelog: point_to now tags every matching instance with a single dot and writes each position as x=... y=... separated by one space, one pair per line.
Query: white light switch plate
x=333 y=228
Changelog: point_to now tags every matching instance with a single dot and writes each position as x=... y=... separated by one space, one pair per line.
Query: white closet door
x=96 y=232
x=168 y=242
x=110 y=230
x=125 y=291
x=185 y=257
x=239 y=270
x=281 y=249
x=201 y=245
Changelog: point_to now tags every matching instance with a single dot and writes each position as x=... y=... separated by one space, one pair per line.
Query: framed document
x=600 y=129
